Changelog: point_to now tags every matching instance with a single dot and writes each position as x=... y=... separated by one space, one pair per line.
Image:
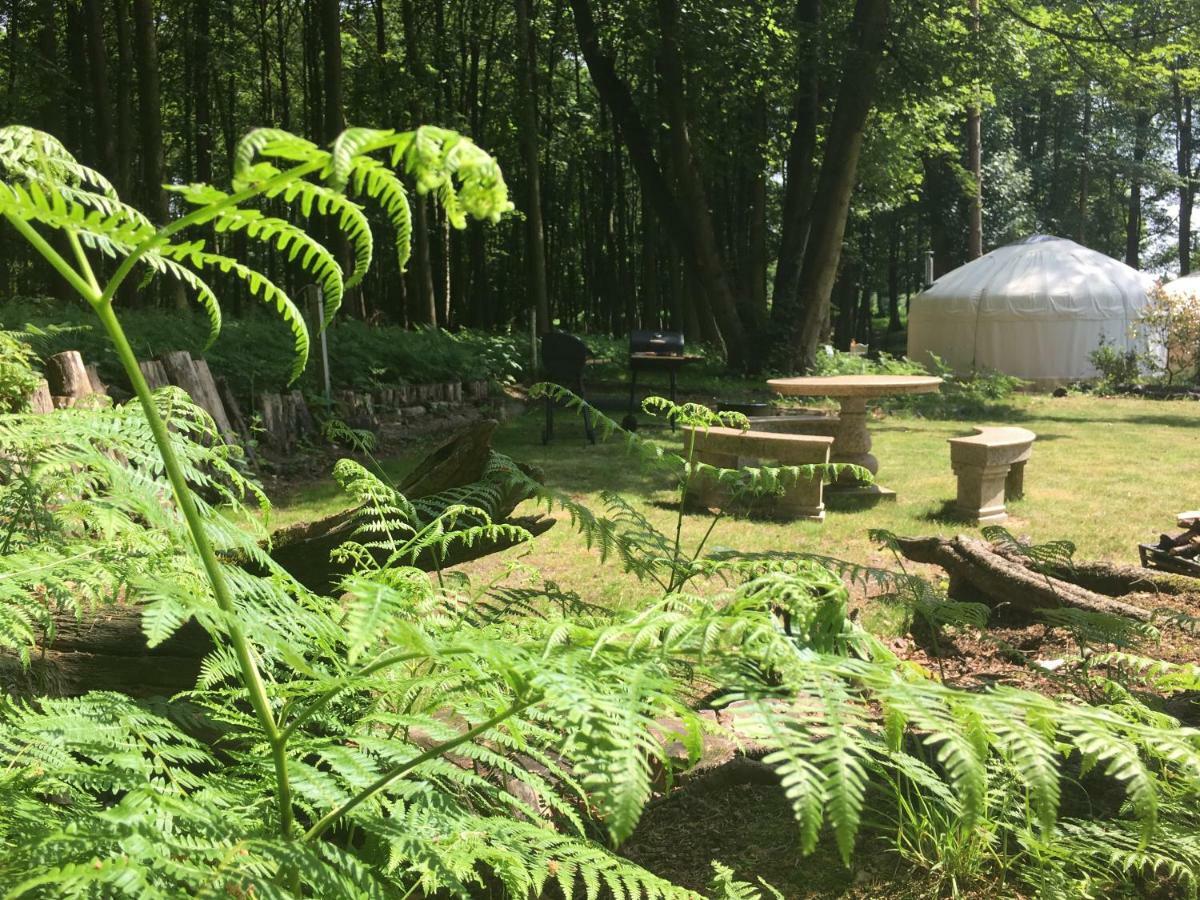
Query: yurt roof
x=1040 y=275
x=1188 y=285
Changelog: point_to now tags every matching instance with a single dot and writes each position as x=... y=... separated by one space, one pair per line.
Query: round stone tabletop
x=855 y=385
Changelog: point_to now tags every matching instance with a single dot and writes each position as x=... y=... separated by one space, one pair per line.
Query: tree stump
x=40 y=401
x=195 y=379
x=67 y=378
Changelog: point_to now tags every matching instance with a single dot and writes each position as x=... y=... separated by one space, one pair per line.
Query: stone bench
x=729 y=448
x=990 y=466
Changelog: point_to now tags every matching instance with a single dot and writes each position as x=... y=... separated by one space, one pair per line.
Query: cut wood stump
x=67 y=378
x=41 y=401
x=195 y=379
x=286 y=420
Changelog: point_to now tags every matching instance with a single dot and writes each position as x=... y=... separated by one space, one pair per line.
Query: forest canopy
x=754 y=174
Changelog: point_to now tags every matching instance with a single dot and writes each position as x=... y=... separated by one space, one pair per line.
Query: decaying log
x=105 y=650
x=304 y=549
x=1116 y=580
x=977 y=571
x=456 y=461
x=67 y=376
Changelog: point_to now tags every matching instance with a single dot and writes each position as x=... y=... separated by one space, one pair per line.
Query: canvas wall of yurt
x=1036 y=309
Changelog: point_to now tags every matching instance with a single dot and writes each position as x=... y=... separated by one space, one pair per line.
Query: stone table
x=852 y=440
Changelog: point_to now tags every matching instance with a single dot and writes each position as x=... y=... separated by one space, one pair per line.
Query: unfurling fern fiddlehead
x=44 y=189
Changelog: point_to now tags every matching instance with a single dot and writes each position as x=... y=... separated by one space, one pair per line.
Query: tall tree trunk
x=1183 y=169
x=839 y=167
x=331 y=46
x=974 y=161
x=202 y=44
x=801 y=170
x=1133 y=218
x=106 y=143
x=422 y=295
x=124 y=99
x=1085 y=168
x=535 y=249
x=681 y=226
x=694 y=199
x=150 y=126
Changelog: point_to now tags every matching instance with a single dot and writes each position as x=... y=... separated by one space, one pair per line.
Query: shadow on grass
x=946 y=514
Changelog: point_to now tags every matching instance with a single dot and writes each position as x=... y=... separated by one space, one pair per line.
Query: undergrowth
x=419 y=734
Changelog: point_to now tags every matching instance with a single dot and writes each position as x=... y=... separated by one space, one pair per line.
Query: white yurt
x=1187 y=286
x=1036 y=309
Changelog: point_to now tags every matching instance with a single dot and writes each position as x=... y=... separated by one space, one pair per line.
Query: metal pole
x=324 y=344
x=533 y=340
x=928 y=268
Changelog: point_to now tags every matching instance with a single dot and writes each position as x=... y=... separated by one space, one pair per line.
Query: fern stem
x=251 y=677
x=388 y=778
x=52 y=256
x=199 y=216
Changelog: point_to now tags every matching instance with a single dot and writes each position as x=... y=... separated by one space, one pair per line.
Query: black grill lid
x=663 y=343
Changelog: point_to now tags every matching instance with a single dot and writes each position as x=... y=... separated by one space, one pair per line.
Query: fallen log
x=978 y=572
x=105 y=650
x=1114 y=580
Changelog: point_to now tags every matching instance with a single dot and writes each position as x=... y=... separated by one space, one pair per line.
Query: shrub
x=253 y=353
x=1116 y=366
x=1172 y=323
x=18 y=377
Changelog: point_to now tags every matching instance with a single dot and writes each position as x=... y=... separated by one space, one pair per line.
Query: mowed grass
x=1106 y=473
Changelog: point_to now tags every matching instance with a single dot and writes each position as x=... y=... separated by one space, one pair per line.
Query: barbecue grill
x=564 y=358
x=654 y=351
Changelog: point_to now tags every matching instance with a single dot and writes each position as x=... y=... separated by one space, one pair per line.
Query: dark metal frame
x=564 y=359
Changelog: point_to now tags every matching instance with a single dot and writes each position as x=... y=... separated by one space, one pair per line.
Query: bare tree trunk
x=1133 y=219
x=693 y=197
x=707 y=269
x=974 y=162
x=1085 y=167
x=101 y=98
x=839 y=167
x=424 y=308
x=535 y=250
x=801 y=170
x=1183 y=169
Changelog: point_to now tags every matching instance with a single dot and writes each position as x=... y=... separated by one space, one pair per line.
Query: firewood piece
x=67 y=376
x=975 y=567
x=40 y=400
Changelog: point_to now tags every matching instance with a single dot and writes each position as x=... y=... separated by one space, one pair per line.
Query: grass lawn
x=1106 y=473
